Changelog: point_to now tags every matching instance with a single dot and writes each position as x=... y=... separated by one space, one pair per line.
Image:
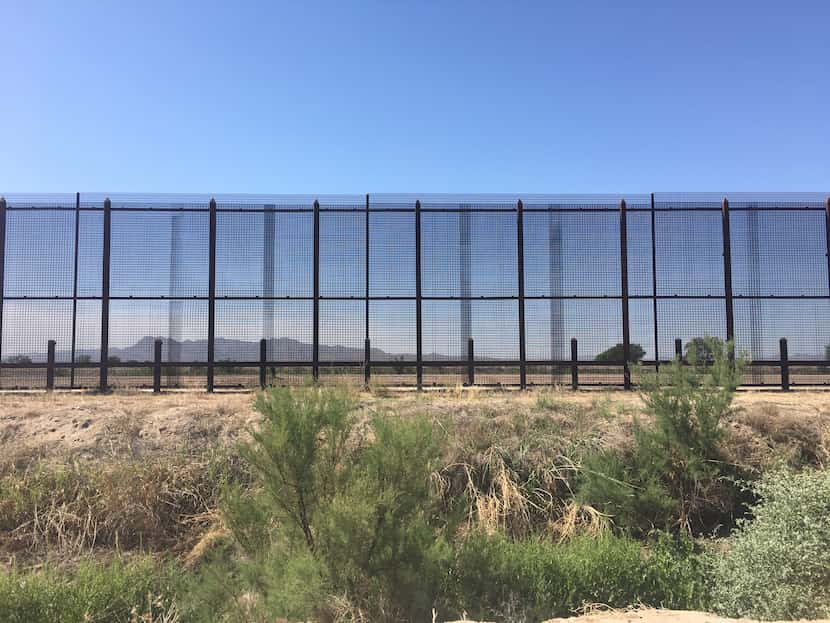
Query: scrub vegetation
x=333 y=507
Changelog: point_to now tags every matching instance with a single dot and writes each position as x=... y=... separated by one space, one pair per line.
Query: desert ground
x=100 y=431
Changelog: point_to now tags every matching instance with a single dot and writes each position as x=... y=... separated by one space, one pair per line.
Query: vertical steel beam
x=471 y=359
x=315 y=349
x=419 y=367
x=727 y=272
x=211 y=328
x=654 y=284
x=263 y=359
x=105 y=295
x=367 y=362
x=624 y=288
x=75 y=290
x=50 y=365
x=2 y=265
x=785 y=364
x=366 y=358
x=574 y=366
x=157 y=366
x=520 y=264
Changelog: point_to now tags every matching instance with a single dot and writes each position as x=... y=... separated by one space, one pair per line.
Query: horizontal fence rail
x=193 y=291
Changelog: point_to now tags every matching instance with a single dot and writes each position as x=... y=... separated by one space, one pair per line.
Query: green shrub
x=341 y=518
x=534 y=579
x=675 y=476
x=777 y=566
x=121 y=591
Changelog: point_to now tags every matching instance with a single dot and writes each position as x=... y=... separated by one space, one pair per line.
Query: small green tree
x=617 y=352
x=19 y=359
x=337 y=509
x=675 y=476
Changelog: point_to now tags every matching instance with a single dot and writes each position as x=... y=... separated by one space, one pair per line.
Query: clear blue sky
x=414 y=97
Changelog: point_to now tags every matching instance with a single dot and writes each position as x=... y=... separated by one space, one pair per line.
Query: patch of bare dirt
x=767 y=426
x=648 y=615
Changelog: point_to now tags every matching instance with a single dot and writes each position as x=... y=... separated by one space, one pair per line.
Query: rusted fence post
x=50 y=365
x=211 y=328
x=419 y=355
x=624 y=292
x=520 y=263
x=367 y=363
x=574 y=366
x=157 y=366
x=263 y=359
x=315 y=348
x=471 y=368
x=105 y=295
x=785 y=364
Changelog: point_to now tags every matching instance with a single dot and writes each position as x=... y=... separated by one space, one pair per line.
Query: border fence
x=242 y=291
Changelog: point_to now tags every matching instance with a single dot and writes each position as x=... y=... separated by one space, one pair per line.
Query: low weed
x=777 y=566
x=535 y=579
x=138 y=591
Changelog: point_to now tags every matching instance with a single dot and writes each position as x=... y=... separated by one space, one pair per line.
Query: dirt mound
x=647 y=615
x=767 y=426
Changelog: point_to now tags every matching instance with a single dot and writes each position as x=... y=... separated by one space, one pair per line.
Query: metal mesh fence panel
x=159 y=254
x=392 y=254
x=688 y=320
x=392 y=331
x=759 y=324
x=572 y=254
x=342 y=254
x=778 y=253
x=493 y=326
x=39 y=253
x=689 y=248
x=274 y=282
x=29 y=325
x=342 y=330
x=264 y=254
x=551 y=324
x=468 y=254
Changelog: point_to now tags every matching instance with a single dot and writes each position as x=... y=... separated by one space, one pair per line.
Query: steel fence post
x=727 y=274
x=520 y=263
x=263 y=360
x=624 y=288
x=654 y=284
x=574 y=366
x=471 y=369
x=315 y=349
x=75 y=291
x=419 y=368
x=211 y=328
x=367 y=362
x=105 y=295
x=785 y=364
x=50 y=365
x=157 y=366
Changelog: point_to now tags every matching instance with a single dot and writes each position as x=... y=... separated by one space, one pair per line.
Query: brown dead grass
x=134 y=471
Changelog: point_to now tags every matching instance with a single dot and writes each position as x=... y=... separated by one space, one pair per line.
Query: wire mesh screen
x=262 y=290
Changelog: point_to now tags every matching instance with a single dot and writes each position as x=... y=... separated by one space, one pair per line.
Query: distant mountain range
x=279 y=349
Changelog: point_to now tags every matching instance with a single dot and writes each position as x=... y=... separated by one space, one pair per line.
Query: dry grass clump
x=501 y=495
x=161 y=504
x=764 y=434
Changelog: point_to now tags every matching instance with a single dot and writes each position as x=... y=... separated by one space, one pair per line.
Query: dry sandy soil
x=89 y=426
x=651 y=616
